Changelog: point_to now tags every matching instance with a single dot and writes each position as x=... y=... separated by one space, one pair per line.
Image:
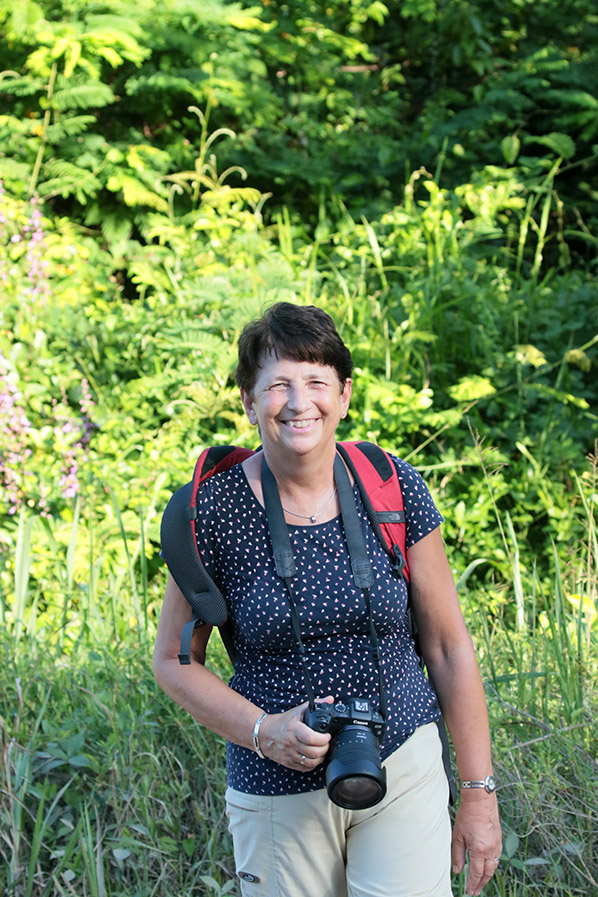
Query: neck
x=304 y=475
x=304 y=485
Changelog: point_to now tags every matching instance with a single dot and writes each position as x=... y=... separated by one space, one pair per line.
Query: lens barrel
x=355 y=778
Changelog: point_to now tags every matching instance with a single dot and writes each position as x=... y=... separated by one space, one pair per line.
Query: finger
x=304 y=763
x=458 y=852
x=481 y=871
x=476 y=878
x=302 y=708
x=310 y=754
x=490 y=867
x=307 y=737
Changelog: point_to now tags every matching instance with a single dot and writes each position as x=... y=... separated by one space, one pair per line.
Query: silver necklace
x=311 y=517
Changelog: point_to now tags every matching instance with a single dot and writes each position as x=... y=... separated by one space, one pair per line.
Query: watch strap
x=488 y=784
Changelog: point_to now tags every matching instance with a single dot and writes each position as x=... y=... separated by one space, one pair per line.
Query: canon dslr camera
x=355 y=778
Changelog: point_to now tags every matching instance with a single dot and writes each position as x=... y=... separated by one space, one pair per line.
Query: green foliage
x=89 y=118
x=423 y=171
x=327 y=101
x=114 y=389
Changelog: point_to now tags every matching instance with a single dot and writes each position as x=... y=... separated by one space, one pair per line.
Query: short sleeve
x=422 y=514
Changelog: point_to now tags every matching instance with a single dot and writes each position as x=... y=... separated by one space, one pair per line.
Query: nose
x=297 y=397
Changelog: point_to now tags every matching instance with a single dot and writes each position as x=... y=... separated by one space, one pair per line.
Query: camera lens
x=355 y=778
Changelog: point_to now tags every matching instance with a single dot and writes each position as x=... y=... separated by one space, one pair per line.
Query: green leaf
x=471 y=388
x=561 y=144
x=83 y=96
x=569 y=98
x=579 y=358
x=9 y=168
x=246 y=19
x=80 y=761
x=529 y=354
x=210 y=881
x=22 y=87
x=116 y=227
x=68 y=127
x=510 y=146
x=511 y=844
x=566 y=398
x=189 y=846
x=67 y=179
x=168 y=845
x=135 y=193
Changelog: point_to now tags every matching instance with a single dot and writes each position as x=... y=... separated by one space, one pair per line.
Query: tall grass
x=542 y=684
x=107 y=788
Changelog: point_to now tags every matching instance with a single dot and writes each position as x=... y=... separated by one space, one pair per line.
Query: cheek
x=268 y=407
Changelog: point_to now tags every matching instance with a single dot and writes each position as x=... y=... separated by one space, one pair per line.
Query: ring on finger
x=302 y=759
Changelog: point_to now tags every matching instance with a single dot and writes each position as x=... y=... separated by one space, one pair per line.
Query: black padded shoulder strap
x=179 y=550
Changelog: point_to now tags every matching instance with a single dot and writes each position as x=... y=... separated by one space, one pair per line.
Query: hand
x=477 y=834
x=285 y=738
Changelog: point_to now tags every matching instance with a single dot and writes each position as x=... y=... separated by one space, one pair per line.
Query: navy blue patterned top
x=234 y=542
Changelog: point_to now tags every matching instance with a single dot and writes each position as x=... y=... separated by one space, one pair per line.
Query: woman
x=289 y=839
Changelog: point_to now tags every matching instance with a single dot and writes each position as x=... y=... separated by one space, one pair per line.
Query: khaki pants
x=303 y=845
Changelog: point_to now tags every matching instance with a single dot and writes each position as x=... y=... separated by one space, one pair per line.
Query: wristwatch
x=488 y=784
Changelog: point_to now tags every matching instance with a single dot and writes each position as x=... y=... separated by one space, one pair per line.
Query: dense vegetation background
x=427 y=172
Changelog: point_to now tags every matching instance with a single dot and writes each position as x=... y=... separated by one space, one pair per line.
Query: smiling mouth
x=300 y=424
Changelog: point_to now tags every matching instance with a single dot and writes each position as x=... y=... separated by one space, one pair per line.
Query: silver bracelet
x=256 y=736
x=488 y=784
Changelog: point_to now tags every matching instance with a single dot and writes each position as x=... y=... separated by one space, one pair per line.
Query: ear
x=346 y=396
x=248 y=406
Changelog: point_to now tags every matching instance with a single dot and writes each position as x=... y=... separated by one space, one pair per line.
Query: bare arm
x=450 y=658
x=283 y=736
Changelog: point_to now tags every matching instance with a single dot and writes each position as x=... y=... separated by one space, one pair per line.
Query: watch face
x=490 y=784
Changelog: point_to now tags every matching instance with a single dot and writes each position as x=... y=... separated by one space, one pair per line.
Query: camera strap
x=286 y=568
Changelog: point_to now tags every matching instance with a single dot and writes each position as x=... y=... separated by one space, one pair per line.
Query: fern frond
x=161 y=228
x=82 y=96
x=143 y=156
x=188 y=180
x=67 y=179
x=115 y=227
x=68 y=127
x=105 y=21
x=124 y=34
x=225 y=195
x=22 y=87
x=165 y=81
x=137 y=194
x=79 y=188
x=246 y=19
x=11 y=125
x=194 y=338
x=234 y=169
x=59 y=168
x=19 y=17
x=15 y=171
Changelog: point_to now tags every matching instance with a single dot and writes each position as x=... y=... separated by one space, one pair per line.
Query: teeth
x=299 y=424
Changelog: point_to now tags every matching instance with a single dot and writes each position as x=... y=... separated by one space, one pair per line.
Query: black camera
x=355 y=778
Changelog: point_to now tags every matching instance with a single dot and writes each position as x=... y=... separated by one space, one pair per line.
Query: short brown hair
x=298 y=332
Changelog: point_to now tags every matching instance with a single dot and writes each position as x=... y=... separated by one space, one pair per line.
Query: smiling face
x=297 y=405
